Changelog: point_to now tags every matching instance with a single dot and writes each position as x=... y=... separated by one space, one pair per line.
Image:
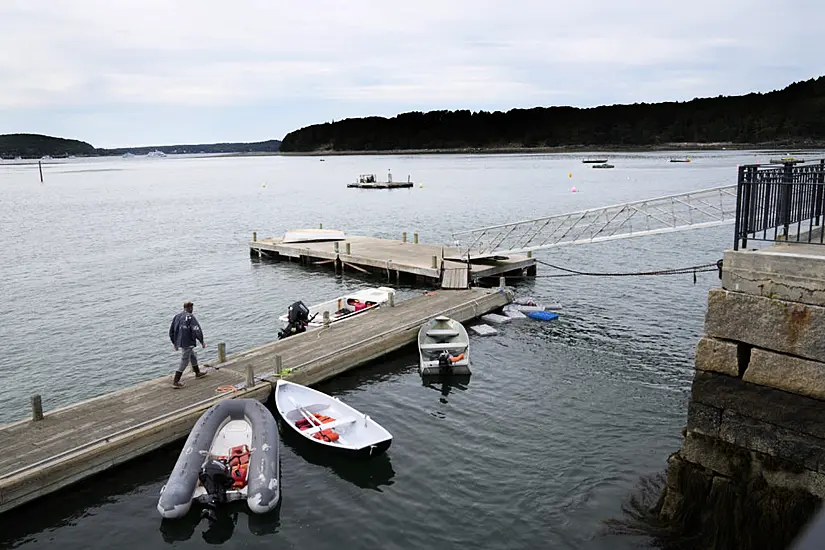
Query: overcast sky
x=154 y=72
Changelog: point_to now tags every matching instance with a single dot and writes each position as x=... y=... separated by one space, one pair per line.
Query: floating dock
x=74 y=442
x=382 y=185
x=395 y=261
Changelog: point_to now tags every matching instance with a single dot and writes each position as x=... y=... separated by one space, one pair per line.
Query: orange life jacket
x=238 y=462
x=326 y=435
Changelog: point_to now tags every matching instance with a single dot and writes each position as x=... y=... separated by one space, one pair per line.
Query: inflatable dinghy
x=230 y=454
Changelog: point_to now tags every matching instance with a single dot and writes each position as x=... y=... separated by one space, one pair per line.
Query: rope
x=704 y=268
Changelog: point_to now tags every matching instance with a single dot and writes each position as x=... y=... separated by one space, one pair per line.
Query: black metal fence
x=780 y=203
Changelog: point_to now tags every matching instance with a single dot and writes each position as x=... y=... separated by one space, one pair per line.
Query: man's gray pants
x=188 y=353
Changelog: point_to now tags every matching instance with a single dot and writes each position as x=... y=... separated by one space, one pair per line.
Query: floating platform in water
x=483 y=330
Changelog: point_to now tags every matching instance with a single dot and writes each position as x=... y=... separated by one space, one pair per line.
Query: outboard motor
x=444 y=361
x=297 y=320
x=216 y=479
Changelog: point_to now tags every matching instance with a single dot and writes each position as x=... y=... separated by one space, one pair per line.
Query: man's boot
x=176 y=383
x=198 y=373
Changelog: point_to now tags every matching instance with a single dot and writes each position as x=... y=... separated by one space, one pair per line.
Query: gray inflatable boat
x=231 y=454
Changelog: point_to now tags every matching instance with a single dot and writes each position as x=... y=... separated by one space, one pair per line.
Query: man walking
x=185 y=333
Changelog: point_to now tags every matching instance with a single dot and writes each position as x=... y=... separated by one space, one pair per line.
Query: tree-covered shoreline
x=791 y=117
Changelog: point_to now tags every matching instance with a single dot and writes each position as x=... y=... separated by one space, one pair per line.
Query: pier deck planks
x=79 y=440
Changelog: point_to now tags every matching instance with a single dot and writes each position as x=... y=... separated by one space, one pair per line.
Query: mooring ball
x=573 y=190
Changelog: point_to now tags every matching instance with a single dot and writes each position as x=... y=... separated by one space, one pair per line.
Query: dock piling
x=404 y=237
x=335 y=247
x=415 y=237
x=502 y=282
x=320 y=226
x=254 y=236
x=250 y=376
x=278 y=364
x=392 y=299
x=221 y=352
x=37 y=408
x=435 y=262
x=349 y=249
x=326 y=318
x=529 y=253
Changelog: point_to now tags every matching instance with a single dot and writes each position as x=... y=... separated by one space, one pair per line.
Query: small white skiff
x=328 y=422
x=345 y=307
x=443 y=347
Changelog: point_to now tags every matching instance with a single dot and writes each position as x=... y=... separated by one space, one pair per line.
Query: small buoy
x=570 y=175
x=420 y=185
x=263 y=185
x=573 y=189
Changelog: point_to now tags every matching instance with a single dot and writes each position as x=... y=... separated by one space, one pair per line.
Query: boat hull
x=438 y=335
x=262 y=491
x=358 y=434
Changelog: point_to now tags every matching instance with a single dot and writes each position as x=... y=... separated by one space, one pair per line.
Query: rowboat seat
x=442 y=332
x=330 y=425
x=445 y=345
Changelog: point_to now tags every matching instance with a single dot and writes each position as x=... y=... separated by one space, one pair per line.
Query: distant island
x=30 y=146
x=791 y=117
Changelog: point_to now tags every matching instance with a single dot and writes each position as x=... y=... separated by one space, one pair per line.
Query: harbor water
x=541 y=445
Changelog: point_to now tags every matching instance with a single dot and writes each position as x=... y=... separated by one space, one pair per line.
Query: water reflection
x=370 y=473
x=446 y=384
x=218 y=528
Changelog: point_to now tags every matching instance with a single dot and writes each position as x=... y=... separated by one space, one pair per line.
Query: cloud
x=80 y=57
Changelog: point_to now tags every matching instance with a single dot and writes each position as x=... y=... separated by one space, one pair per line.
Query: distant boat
x=594 y=161
x=605 y=165
x=783 y=160
x=681 y=160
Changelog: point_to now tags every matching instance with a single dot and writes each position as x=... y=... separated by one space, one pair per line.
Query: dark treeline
x=36 y=146
x=794 y=115
x=270 y=146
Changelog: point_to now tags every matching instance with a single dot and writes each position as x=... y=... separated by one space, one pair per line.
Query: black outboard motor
x=444 y=362
x=216 y=479
x=297 y=320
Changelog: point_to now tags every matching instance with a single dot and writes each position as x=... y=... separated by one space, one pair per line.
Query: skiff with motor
x=328 y=422
x=339 y=309
x=230 y=454
x=443 y=347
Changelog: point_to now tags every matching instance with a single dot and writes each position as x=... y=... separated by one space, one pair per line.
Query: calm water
x=544 y=442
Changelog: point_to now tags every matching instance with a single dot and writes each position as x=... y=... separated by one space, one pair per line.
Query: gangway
x=693 y=210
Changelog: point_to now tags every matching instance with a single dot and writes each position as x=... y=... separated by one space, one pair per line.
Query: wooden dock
x=395 y=261
x=74 y=442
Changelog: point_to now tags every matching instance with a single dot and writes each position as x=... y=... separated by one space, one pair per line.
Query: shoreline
x=675 y=147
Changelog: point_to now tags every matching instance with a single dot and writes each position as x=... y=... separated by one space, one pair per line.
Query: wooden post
x=392 y=299
x=250 y=377
x=320 y=226
x=278 y=365
x=435 y=262
x=335 y=247
x=404 y=237
x=40 y=166
x=326 y=318
x=254 y=236
x=37 y=408
x=415 y=237
x=349 y=249
x=502 y=282
x=221 y=352
x=529 y=253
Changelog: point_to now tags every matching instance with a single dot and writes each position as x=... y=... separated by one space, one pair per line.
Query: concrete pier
x=751 y=469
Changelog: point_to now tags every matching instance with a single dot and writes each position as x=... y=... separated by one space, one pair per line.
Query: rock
x=717 y=356
x=786 y=372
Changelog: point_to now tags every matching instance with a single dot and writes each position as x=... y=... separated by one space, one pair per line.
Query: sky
x=120 y=73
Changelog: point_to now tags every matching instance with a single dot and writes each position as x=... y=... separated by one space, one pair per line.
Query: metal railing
x=693 y=210
x=780 y=203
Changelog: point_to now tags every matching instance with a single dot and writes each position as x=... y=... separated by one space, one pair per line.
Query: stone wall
x=751 y=470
